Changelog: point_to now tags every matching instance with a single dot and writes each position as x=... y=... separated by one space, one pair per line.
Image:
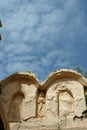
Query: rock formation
x=56 y=104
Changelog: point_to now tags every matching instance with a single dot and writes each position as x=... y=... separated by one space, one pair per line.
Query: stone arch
x=74 y=83
x=27 y=83
x=64 y=73
x=15 y=105
x=59 y=101
x=22 y=76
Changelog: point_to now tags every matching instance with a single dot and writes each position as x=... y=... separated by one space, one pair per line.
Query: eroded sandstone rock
x=57 y=103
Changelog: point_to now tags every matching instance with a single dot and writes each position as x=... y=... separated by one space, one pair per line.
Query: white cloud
x=40 y=34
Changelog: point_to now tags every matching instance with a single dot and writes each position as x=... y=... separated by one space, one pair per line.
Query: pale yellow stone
x=57 y=103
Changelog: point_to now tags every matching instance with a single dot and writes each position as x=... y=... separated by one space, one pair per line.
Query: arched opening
x=15 y=107
x=1 y=124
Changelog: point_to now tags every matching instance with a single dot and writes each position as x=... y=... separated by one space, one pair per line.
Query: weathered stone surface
x=67 y=96
x=56 y=104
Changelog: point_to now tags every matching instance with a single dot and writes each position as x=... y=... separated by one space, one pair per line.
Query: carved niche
x=23 y=103
x=65 y=102
x=41 y=104
x=14 y=112
x=65 y=98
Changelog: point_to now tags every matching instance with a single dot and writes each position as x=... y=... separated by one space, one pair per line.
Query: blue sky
x=42 y=36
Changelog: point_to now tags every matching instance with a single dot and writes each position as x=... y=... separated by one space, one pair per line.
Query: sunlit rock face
x=57 y=103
